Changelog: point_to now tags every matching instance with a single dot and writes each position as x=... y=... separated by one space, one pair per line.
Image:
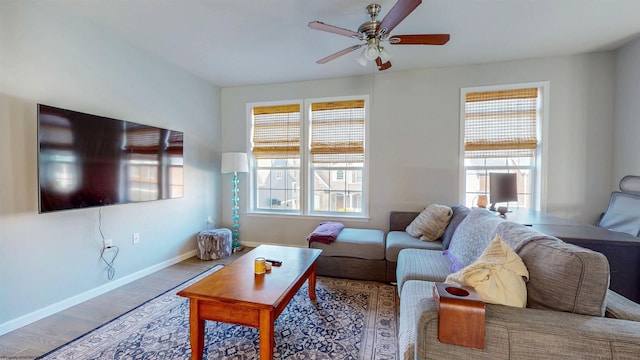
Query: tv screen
x=87 y=160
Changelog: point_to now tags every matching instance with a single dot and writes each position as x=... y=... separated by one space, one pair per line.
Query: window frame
x=539 y=167
x=306 y=168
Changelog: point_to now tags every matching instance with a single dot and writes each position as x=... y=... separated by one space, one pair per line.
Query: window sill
x=310 y=216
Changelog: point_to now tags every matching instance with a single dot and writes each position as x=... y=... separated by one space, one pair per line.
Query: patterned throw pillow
x=429 y=225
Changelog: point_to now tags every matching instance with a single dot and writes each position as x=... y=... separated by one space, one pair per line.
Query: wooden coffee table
x=235 y=295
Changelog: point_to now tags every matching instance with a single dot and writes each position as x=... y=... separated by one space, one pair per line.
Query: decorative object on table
x=482 y=201
x=502 y=188
x=502 y=210
x=235 y=162
x=363 y=312
x=259 y=265
x=214 y=244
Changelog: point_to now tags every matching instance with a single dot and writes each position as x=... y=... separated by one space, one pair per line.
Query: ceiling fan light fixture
x=374 y=32
x=371 y=52
x=361 y=59
x=385 y=55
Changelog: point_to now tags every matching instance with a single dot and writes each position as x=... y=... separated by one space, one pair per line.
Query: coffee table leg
x=196 y=330
x=266 y=334
x=312 y=282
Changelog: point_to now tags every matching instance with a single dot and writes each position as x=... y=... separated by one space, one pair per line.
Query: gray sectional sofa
x=570 y=311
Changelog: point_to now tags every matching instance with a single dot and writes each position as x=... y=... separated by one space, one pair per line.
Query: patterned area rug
x=349 y=320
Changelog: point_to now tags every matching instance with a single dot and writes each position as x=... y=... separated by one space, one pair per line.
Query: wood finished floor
x=44 y=335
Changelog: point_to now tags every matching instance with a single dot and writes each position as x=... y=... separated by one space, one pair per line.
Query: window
x=276 y=151
x=501 y=134
x=309 y=159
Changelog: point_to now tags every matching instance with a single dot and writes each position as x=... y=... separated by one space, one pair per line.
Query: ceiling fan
x=373 y=33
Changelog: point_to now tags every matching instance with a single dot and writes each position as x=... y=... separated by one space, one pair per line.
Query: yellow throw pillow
x=430 y=224
x=498 y=276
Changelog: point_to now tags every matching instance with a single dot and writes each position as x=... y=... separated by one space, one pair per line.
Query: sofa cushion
x=357 y=243
x=398 y=240
x=412 y=293
x=417 y=264
x=619 y=307
x=498 y=275
x=471 y=237
x=565 y=277
x=459 y=213
x=430 y=223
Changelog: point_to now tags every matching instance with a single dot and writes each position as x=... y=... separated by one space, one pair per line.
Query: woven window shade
x=501 y=123
x=276 y=132
x=337 y=132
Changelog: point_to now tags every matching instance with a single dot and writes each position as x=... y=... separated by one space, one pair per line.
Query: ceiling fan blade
x=398 y=12
x=419 y=39
x=339 y=53
x=382 y=66
x=318 y=25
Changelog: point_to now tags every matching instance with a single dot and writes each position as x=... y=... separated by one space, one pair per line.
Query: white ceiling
x=246 y=42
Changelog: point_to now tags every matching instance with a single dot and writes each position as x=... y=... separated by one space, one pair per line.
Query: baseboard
x=75 y=300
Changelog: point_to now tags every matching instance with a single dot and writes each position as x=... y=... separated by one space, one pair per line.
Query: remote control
x=274 y=262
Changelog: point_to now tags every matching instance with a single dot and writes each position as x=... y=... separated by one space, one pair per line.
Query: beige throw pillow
x=430 y=224
x=498 y=276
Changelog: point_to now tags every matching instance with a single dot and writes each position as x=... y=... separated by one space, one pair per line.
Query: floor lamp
x=235 y=162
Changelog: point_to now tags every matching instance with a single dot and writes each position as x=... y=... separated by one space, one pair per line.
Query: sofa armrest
x=532 y=334
x=399 y=220
x=619 y=307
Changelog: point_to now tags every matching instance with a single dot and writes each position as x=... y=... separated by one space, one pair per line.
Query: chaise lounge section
x=355 y=254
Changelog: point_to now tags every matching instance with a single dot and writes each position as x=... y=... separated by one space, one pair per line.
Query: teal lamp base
x=235 y=227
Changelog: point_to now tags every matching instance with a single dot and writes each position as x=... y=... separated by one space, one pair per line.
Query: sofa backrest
x=565 y=277
x=399 y=220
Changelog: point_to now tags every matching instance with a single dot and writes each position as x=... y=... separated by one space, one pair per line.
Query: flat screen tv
x=87 y=160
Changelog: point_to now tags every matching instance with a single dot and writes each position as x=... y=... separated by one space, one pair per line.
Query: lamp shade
x=503 y=187
x=234 y=162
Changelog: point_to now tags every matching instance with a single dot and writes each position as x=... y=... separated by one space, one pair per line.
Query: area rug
x=349 y=320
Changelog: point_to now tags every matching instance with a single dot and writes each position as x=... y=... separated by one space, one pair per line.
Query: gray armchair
x=623 y=213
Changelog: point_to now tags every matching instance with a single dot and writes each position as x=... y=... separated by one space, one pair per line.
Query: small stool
x=214 y=244
x=356 y=254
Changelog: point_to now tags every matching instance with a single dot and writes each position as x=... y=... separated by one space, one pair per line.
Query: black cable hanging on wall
x=111 y=270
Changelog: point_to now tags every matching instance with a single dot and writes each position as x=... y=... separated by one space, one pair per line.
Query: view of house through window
x=501 y=135
x=309 y=159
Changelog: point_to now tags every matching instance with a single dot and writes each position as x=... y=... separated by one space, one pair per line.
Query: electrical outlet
x=108 y=243
x=209 y=220
x=136 y=238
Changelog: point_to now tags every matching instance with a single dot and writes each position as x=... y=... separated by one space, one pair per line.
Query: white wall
x=627 y=125
x=48 y=261
x=414 y=137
